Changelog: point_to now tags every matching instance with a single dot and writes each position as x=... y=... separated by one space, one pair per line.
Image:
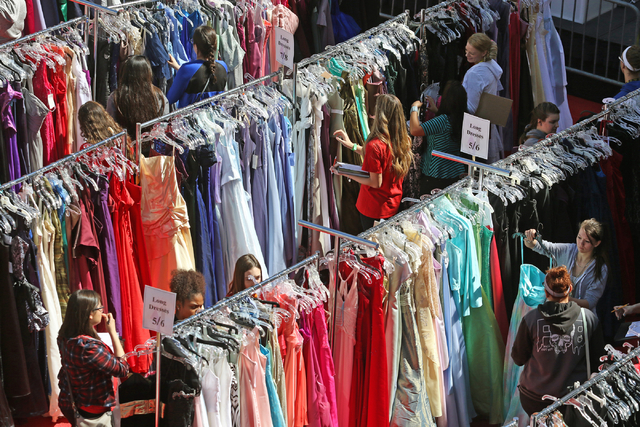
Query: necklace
x=633 y=80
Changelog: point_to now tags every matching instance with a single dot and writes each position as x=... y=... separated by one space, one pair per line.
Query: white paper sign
x=159 y=310
x=475 y=136
x=284 y=47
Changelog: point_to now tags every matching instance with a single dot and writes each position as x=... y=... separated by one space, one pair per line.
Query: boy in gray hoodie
x=550 y=343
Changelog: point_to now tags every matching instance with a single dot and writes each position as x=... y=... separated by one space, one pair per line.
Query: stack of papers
x=634 y=330
x=349 y=169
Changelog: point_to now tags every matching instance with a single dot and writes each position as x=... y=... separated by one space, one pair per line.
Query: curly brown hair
x=186 y=283
x=559 y=280
x=95 y=123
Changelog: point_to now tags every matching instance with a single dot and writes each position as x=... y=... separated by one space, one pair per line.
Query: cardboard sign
x=494 y=108
x=159 y=310
x=284 y=47
x=475 y=136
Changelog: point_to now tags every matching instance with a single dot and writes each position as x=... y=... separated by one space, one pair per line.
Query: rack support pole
x=158 y=364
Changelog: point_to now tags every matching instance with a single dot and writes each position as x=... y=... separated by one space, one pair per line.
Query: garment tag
x=10 y=267
x=7 y=239
x=326 y=75
x=52 y=101
x=254 y=161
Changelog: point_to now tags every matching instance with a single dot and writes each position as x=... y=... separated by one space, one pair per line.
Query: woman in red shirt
x=387 y=157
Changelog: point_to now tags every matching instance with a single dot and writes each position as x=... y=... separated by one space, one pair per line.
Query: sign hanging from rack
x=475 y=136
x=284 y=47
x=159 y=310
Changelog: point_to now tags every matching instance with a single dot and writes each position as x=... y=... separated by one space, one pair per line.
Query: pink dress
x=254 y=399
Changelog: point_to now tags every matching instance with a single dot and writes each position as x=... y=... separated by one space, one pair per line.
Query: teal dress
x=274 y=403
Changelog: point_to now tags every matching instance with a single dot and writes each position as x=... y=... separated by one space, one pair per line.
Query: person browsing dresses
x=246 y=274
x=387 y=157
x=88 y=364
x=189 y=287
x=630 y=66
x=200 y=79
x=586 y=260
x=544 y=121
x=443 y=133
x=551 y=344
x=483 y=76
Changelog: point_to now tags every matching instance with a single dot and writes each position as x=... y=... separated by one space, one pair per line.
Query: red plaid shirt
x=90 y=364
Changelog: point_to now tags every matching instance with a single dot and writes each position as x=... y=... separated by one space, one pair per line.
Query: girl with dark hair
x=387 y=157
x=88 y=363
x=202 y=78
x=550 y=344
x=443 y=133
x=136 y=100
x=95 y=123
x=189 y=287
x=586 y=260
x=247 y=266
x=544 y=120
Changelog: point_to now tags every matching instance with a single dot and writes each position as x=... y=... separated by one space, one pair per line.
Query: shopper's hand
x=417 y=104
x=343 y=138
x=173 y=63
x=431 y=104
x=111 y=324
x=530 y=239
x=623 y=311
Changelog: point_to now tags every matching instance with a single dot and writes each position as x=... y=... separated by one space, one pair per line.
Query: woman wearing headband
x=550 y=344
x=630 y=66
x=586 y=260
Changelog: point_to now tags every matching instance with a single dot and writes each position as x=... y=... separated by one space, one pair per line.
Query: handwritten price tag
x=284 y=47
x=159 y=310
x=475 y=136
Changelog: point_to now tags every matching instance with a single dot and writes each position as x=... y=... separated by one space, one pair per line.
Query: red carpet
x=581 y=107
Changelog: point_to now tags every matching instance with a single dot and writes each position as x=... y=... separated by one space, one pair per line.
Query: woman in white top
x=483 y=76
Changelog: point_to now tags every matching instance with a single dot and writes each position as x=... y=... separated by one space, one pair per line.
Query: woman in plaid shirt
x=88 y=362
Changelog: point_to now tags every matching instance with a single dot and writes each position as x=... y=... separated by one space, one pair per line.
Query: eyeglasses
x=99 y=308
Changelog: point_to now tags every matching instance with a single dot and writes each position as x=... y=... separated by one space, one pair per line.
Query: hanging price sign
x=159 y=310
x=284 y=47
x=475 y=136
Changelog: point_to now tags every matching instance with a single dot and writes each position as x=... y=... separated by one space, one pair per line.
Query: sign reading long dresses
x=159 y=310
x=475 y=136
x=284 y=47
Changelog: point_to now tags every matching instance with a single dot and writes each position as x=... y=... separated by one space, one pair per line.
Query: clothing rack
x=64 y=25
x=133 y=3
x=247 y=292
x=566 y=132
x=512 y=423
x=188 y=109
x=338 y=235
x=472 y=163
x=589 y=383
x=69 y=158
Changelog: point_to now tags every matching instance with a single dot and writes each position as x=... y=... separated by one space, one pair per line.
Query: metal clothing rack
x=481 y=166
x=190 y=108
x=72 y=157
x=246 y=292
x=330 y=52
x=29 y=37
x=588 y=384
x=512 y=423
x=338 y=235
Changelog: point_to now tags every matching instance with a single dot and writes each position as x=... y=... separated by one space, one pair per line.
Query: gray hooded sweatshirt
x=550 y=343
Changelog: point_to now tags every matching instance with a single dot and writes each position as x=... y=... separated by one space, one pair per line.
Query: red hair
x=558 y=280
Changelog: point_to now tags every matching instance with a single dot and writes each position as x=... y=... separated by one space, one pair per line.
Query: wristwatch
x=415 y=108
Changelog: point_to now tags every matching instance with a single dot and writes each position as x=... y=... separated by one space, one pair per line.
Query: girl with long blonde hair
x=387 y=157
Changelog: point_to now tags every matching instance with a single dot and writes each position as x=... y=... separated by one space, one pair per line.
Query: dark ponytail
x=204 y=37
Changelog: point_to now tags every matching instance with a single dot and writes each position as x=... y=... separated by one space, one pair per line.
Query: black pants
x=367 y=222
x=428 y=183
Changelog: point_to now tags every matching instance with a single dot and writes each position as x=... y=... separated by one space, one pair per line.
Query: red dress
x=44 y=91
x=130 y=293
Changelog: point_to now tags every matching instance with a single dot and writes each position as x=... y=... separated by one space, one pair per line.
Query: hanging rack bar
x=473 y=163
x=331 y=50
x=564 y=133
x=42 y=32
x=133 y=3
x=101 y=8
x=62 y=161
x=340 y=234
x=207 y=101
x=512 y=423
x=588 y=384
x=247 y=292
